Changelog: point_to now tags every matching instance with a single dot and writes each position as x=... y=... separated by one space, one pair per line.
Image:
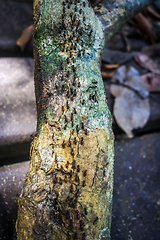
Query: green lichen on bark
x=68 y=189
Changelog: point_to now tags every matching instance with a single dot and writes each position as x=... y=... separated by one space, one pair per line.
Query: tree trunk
x=68 y=189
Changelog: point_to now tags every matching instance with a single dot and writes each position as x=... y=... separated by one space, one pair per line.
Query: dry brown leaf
x=108 y=70
x=108 y=74
x=151 y=51
x=25 y=37
x=152 y=82
x=145 y=26
x=147 y=63
x=154 y=13
x=110 y=66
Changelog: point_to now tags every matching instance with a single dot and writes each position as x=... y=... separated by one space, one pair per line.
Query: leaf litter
x=147 y=62
x=152 y=82
x=131 y=106
x=25 y=37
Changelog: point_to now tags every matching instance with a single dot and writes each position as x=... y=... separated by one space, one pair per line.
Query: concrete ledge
x=17 y=106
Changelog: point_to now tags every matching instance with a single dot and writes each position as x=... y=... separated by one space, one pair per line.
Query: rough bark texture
x=68 y=189
x=113 y=14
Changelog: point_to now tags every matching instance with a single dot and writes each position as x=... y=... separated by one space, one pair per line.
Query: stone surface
x=136 y=199
x=17 y=106
x=14 y=18
x=11 y=178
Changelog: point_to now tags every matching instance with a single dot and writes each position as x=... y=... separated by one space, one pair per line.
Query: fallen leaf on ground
x=116 y=57
x=108 y=74
x=110 y=66
x=153 y=12
x=151 y=51
x=108 y=70
x=25 y=37
x=131 y=107
x=147 y=63
x=130 y=111
x=145 y=26
x=128 y=77
x=152 y=82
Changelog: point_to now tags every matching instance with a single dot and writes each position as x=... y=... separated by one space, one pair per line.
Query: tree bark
x=113 y=14
x=68 y=190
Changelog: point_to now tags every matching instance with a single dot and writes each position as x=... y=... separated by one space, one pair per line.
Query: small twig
x=129 y=87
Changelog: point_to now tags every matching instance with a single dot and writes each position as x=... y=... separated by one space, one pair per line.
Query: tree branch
x=68 y=189
x=114 y=14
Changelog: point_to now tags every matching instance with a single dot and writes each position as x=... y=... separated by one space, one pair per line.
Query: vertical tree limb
x=68 y=189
